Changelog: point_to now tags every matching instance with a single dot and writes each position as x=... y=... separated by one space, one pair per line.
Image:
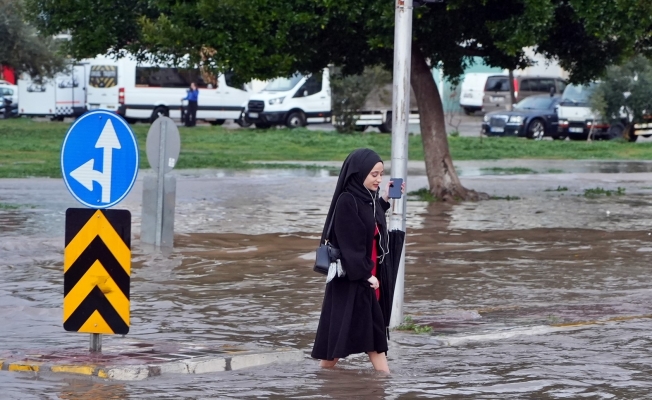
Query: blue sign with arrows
x=99 y=159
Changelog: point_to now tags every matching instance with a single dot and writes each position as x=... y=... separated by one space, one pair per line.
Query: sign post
x=99 y=163
x=159 y=192
x=400 y=116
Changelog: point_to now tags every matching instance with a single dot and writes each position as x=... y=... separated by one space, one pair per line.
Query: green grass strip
x=30 y=148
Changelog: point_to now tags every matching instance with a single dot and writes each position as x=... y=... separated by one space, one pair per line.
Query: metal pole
x=400 y=121
x=160 y=183
x=96 y=343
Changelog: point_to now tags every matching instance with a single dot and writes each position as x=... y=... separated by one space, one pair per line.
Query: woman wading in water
x=351 y=320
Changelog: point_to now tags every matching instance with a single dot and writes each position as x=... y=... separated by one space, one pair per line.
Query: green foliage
x=30 y=148
x=598 y=191
x=268 y=38
x=422 y=194
x=625 y=89
x=22 y=48
x=508 y=198
x=559 y=189
x=509 y=171
x=409 y=325
x=349 y=94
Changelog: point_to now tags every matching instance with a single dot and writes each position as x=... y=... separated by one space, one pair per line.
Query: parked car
x=472 y=92
x=8 y=100
x=496 y=92
x=534 y=117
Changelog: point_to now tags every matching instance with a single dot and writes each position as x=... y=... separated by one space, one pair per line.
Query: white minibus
x=143 y=91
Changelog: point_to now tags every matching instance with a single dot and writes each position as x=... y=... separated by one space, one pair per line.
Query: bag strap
x=330 y=224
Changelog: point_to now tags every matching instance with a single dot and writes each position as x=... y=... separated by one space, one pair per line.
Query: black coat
x=351 y=320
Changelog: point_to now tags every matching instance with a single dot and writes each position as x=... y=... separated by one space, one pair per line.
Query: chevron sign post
x=96 y=271
x=99 y=164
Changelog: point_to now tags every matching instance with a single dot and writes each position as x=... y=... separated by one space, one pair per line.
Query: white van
x=294 y=102
x=472 y=92
x=63 y=96
x=142 y=91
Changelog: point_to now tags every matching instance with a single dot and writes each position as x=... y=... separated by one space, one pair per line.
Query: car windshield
x=577 y=94
x=497 y=84
x=283 y=84
x=535 y=103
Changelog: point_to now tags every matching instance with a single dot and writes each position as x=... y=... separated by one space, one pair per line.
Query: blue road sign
x=99 y=159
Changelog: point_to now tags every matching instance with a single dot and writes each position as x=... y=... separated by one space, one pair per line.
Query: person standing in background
x=192 y=96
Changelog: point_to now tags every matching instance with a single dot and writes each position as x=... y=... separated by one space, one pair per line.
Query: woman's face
x=375 y=177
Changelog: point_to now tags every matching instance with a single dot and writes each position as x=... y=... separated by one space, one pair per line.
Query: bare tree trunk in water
x=442 y=178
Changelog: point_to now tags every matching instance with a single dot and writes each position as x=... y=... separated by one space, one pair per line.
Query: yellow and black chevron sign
x=97 y=269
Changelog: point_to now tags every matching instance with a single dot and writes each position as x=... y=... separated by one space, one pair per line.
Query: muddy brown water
x=543 y=297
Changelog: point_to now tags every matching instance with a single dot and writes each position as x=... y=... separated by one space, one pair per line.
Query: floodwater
x=547 y=296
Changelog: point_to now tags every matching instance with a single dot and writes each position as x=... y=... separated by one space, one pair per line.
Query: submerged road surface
x=544 y=296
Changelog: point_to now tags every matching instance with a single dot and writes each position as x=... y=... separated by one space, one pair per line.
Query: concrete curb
x=200 y=365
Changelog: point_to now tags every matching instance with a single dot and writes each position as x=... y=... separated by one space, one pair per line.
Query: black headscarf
x=355 y=169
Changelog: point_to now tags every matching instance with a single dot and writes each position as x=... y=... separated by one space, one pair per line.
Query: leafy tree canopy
x=625 y=90
x=268 y=38
x=22 y=48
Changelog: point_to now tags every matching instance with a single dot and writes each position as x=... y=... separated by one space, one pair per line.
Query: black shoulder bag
x=326 y=252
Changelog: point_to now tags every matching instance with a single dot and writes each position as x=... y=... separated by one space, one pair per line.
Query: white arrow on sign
x=86 y=173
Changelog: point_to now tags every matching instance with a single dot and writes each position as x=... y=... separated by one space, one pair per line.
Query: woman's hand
x=386 y=193
x=374 y=282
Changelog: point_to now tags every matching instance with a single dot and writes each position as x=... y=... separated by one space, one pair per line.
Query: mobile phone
x=395 y=188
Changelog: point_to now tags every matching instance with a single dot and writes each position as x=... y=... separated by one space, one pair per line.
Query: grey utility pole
x=400 y=121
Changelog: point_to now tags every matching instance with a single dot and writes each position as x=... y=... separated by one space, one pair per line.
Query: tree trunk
x=442 y=178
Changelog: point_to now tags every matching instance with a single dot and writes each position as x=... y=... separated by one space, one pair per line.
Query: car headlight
x=516 y=119
x=277 y=100
x=487 y=117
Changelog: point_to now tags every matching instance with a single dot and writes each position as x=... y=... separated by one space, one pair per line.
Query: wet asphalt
x=542 y=296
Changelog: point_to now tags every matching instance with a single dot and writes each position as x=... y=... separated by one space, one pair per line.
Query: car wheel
x=243 y=121
x=536 y=130
x=386 y=127
x=615 y=131
x=217 y=122
x=159 y=112
x=468 y=111
x=262 y=125
x=628 y=133
x=296 y=119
